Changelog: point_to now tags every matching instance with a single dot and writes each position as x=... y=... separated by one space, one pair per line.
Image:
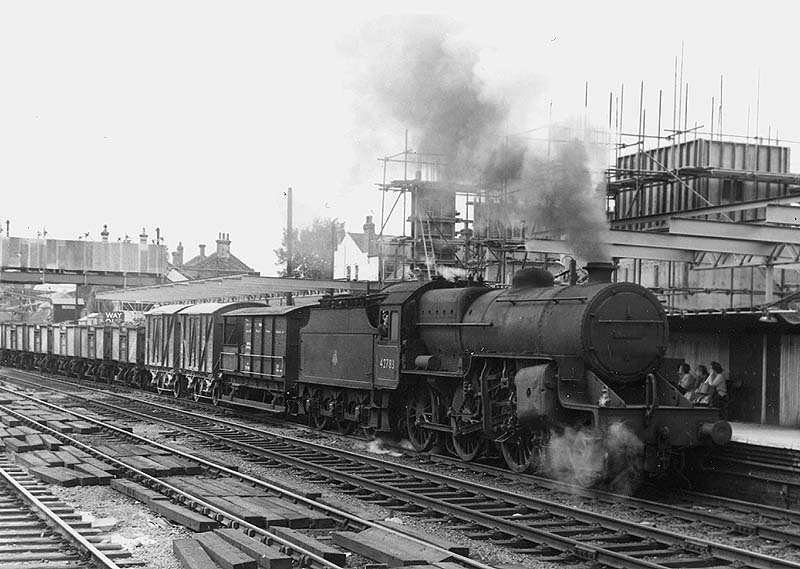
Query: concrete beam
x=728 y=230
x=663 y=246
x=559 y=247
x=686 y=243
x=786 y=214
x=710 y=210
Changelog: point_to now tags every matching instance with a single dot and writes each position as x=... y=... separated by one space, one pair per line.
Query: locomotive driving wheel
x=467 y=440
x=524 y=452
x=467 y=447
x=420 y=411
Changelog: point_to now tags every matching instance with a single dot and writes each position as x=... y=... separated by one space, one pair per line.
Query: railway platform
x=766 y=435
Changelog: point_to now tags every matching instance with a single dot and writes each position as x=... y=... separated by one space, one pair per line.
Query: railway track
x=39 y=532
x=194 y=493
x=525 y=524
x=763 y=474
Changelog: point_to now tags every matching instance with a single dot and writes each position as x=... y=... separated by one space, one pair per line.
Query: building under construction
x=709 y=223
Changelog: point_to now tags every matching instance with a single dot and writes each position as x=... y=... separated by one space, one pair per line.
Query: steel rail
x=680 y=512
x=194 y=502
x=335 y=512
x=53 y=520
x=580 y=549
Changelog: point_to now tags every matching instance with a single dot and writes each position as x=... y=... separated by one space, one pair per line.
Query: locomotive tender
x=461 y=364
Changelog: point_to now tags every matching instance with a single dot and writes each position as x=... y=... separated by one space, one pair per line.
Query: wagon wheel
x=346 y=426
x=419 y=411
x=467 y=447
x=160 y=384
x=524 y=452
x=216 y=393
x=319 y=422
x=197 y=392
x=179 y=387
x=141 y=380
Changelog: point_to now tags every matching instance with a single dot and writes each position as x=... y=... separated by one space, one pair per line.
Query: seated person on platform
x=687 y=379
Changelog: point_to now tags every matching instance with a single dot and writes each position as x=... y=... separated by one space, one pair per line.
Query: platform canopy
x=711 y=244
x=231 y=288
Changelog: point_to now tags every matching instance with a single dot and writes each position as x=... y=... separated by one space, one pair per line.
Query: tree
x=312 y=254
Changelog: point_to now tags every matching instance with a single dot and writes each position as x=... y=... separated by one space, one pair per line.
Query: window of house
x=348 y=272
x=356 y=273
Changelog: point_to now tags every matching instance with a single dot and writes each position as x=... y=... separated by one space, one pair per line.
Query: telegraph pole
x=289 y=244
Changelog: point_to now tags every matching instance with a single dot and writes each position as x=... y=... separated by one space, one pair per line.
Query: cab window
x=389 y=326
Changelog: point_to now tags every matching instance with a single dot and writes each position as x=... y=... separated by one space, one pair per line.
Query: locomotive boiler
x=511 y=366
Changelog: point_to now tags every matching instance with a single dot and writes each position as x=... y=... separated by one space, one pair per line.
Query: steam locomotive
x=461 y=365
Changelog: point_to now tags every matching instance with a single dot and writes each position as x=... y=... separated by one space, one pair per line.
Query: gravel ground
x=389 y=451
x=147 y=536
x=486 y=552
x=481 y=550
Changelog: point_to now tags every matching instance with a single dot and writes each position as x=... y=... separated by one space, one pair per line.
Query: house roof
x=361 y=240
x=200 y=266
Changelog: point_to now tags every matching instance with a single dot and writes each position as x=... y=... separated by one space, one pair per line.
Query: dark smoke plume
x=430 y=83
x=555 y=194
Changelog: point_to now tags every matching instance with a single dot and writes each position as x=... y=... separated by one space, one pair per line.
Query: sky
x=194 y=117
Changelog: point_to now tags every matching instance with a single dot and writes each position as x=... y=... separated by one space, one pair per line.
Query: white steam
x=584 y=457
x=452 y=273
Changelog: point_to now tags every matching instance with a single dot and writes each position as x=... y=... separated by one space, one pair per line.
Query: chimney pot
x=369 y=235
x=177 y=255
x=202 y=251
x=223 y=246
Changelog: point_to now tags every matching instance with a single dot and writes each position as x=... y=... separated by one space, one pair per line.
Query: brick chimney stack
x=202 y=250
x=143 y=237
x=104 y=234
x=369 y=232
x=177 y=255
x=224 y=246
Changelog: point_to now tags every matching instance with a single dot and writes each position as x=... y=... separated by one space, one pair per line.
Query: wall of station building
x=682 y=287
x=766 y=365
x=676 y=196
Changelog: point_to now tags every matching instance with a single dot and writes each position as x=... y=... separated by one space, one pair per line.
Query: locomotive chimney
x=599 y=272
